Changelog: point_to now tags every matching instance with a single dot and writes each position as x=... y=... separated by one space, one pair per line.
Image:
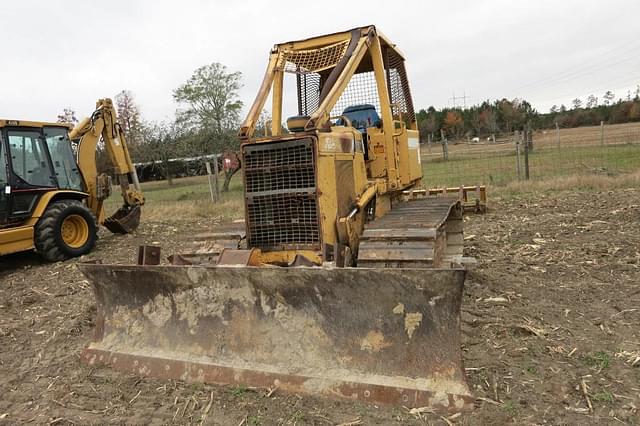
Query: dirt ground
x=551 y=330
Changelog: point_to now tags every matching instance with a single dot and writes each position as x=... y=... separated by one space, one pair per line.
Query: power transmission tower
x=464 y=98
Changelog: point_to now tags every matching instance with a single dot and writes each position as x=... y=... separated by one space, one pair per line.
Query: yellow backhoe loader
x=347 y=285
x=50 y=200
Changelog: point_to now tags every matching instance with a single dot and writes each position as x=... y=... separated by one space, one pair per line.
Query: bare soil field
x=551 y=329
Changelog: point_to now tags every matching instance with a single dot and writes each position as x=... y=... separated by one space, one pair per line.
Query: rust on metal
x=236 y=257
x=385 y=336
x=124 y=221
x=473 y=198
x=148 y=255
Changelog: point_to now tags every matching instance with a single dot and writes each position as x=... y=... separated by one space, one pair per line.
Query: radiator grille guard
x=280 y=195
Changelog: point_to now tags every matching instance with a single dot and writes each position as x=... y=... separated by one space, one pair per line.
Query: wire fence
x=606 y=149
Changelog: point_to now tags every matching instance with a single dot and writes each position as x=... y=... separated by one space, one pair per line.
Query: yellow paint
x=89 y=131
x=21 y=238
x=374 y=342
x=399 y=309
x=37 y=124
x=393 y=164
x=14 y=240
x=75 y=231
x=46 y=198
x=411 y=322
x=287 y=256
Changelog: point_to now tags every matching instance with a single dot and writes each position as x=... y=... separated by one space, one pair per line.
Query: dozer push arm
x=103 y=125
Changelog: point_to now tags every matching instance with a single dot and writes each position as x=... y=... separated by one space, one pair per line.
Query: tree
x=554 y=109
x=212 y=109
x=608 y=97
x=634 y=112
x=592 y=102
x=67 y=116
x=453 y=122
x=211 y=98
x=129 y=118
x=488 y=120
x=577 y=103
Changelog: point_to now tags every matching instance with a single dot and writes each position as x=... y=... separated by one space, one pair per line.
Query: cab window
x=4 y=198
x=64 y=162
x=29 y=158
x=3 y=170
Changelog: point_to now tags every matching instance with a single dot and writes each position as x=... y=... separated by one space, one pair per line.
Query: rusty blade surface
x=386 y=336
x=124 y=221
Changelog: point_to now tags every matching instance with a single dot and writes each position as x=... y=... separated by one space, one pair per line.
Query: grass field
x=500 y=167
x=186 y=198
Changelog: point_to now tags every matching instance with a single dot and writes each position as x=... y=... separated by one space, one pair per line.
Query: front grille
x=280 y=194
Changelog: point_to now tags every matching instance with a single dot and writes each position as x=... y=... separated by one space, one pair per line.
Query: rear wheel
x=66 y=229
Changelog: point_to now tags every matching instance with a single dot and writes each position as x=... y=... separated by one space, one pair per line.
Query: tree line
x=503 y=116
x=208 y=115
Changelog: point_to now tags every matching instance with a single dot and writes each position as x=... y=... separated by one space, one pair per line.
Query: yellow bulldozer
x=51 y=199
x=348 y=284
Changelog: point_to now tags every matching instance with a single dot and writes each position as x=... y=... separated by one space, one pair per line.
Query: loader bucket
x=384 y=336
x=124 y=221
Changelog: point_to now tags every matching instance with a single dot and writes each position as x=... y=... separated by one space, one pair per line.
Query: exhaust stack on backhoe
x=343 y=289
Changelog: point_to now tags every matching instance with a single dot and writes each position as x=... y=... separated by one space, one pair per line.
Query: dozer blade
x=124 y=221
x=385 y=336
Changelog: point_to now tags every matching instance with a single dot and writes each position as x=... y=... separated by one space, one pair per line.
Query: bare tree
x=67 y=116
x=129 y=118
x=608 y=97
x=577 y=103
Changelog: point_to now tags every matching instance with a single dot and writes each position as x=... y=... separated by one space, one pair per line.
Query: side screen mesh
x=399 y=86
x=308 y=93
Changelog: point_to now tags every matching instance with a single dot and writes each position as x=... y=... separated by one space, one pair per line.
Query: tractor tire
x=66 y=229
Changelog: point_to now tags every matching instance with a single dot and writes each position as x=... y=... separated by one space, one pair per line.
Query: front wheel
x=66 y=229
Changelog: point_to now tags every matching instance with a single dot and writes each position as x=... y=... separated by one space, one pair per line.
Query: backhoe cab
x=52 y=201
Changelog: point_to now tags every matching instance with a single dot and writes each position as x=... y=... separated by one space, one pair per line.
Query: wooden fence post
x=445 y=146
x=526 y=155
x=557 y=134
x=516 y=138
x=602 y=133
x=213 y=180
x=216 y=172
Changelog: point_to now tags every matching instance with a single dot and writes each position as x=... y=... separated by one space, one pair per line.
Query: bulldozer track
x=421 y=233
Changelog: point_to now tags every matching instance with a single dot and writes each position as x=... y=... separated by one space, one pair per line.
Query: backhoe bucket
x=124 y=221
x=384 y=336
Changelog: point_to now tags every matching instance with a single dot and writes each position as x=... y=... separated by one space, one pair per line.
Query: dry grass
x=574 y=182
x=228 y=209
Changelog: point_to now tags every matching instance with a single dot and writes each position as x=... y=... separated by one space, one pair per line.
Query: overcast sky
x=58 y=54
